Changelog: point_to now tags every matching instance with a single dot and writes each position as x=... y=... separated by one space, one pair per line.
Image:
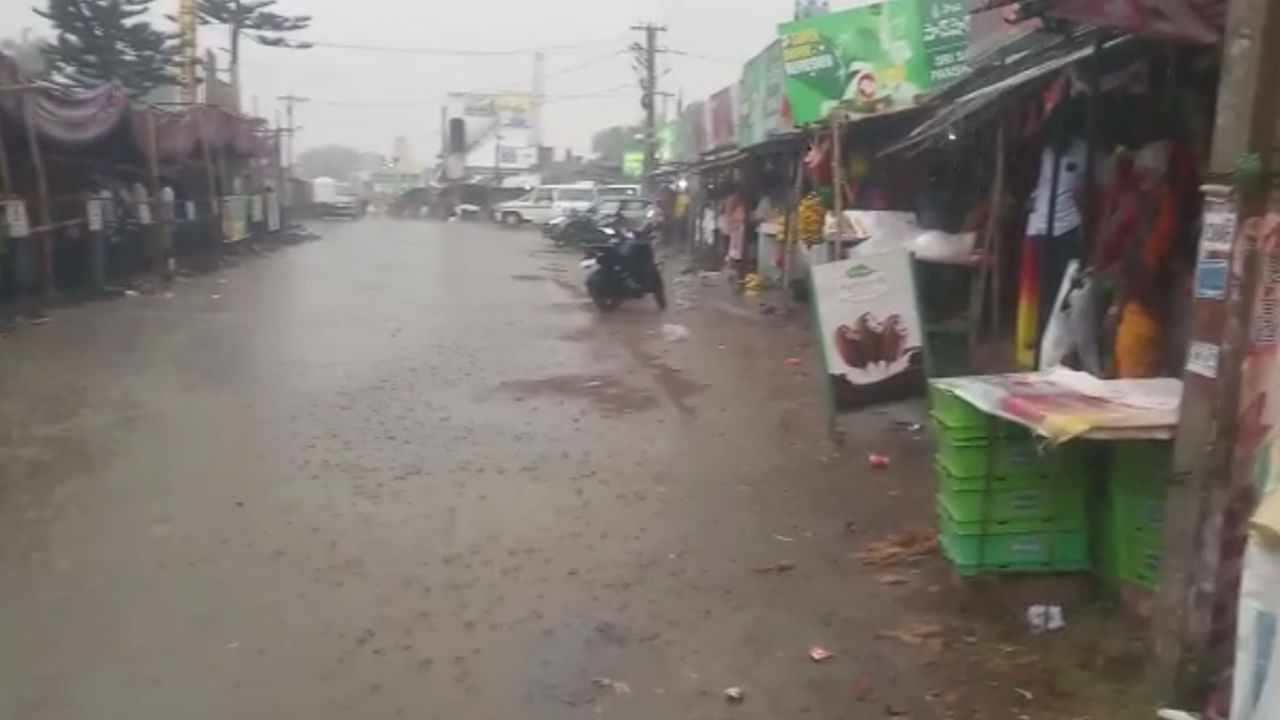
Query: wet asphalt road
x=406 y=471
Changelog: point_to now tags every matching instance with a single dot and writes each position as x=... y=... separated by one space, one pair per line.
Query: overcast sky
x=365 y=99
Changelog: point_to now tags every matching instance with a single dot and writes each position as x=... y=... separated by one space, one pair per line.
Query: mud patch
x=609 y=395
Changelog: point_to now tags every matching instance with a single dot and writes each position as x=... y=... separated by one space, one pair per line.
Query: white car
x=544 y=203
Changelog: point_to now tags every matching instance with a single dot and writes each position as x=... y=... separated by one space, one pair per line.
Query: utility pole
x=1210 y=496
x=289 y=101
x=187 y=41
x=648 y=56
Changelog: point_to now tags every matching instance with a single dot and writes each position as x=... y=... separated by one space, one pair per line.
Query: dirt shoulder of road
x=971 y=635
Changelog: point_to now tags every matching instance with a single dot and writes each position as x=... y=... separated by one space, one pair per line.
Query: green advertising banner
x=762 y=99
x=633 y=164
x=874 y=59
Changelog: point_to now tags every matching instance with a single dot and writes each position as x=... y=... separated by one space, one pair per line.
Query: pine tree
x=102 y=40
x=256 y=16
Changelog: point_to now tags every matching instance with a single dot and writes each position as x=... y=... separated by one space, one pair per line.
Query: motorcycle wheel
x=604 y=300
x=659 y=292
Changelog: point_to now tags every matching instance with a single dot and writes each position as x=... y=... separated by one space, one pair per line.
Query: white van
x=544 y=203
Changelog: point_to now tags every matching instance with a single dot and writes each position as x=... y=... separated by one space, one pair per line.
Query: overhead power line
x=600 y=92
x=458 y=51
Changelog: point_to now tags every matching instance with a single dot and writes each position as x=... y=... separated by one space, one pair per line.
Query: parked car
x=620 y=191
x=577 y=228
x=545 y=202
x=633 y=209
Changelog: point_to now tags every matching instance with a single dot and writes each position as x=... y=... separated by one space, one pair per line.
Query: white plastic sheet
x=1256 y=691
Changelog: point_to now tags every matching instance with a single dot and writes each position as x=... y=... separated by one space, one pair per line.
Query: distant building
x=500 y=132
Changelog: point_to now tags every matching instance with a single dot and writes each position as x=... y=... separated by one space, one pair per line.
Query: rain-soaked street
x=405 y=470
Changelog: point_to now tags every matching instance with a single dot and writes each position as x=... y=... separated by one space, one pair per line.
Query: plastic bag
x=1073 y=323
x=1256 y=686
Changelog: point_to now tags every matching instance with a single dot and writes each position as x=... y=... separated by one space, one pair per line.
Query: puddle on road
x=610 y=395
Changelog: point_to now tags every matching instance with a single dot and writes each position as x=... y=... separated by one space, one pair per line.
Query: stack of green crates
x=1003 y=505
x=1133 y=535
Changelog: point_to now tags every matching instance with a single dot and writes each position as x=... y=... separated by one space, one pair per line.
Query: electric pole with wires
x=646 y=60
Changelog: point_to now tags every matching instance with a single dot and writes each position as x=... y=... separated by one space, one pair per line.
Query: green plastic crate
x=1046 y=504
x=974 y=458
x=1035 y=552
x=947 y=480
x=955 y=411
x=1137 y=512
x=1147 y=463
x=1139 y=560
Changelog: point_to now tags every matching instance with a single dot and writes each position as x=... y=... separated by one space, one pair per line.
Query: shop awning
x=1191 y=20
x=74 y=118
x=983 y=99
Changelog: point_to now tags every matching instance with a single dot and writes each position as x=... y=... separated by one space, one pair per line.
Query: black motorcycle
x=577 y=229
x=622 y=268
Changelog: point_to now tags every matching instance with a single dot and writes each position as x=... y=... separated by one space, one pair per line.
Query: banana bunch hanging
x=813 y=216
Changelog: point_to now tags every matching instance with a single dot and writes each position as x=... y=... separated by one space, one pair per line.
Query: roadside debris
x=894 y=711
x=917 y=635
x=775 y=568
x=862 y=690
x=783 y=538
x=893 y=579
x=1170 y=714
x=902 y=547
x=908 y=425
x=1026 y=694
x=615 y=685
x=735 y=694
x=674 y=333
x=879 y=462
x=1045 y=618
x=794 y=361
x=818 y=654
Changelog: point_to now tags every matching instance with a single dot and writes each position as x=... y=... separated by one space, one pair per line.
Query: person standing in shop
x=1052 y=239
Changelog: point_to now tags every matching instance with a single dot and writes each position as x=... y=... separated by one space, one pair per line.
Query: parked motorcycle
x=622 y=268
x=576 y=230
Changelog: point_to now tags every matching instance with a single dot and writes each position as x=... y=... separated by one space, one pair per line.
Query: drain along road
x=407 y=471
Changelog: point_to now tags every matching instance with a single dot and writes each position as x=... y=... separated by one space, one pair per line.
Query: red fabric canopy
x=83 y=117
x=1191 y=20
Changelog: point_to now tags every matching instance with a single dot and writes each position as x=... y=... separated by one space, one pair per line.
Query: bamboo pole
x=995 y=234
x=6 y=179
x=837 y=176
x=42 y=198
x=790 y=225
x=158 y=216
x=214 y=209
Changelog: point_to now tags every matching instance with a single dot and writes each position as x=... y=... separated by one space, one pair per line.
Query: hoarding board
x=763 y=109
x=874 y=59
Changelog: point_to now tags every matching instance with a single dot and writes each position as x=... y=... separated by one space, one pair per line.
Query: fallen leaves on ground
x=900 y=548
x=775 y=568
x=926 y=635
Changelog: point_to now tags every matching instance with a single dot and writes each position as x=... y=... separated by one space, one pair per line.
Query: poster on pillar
x=868 y=328
x=876 y=58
